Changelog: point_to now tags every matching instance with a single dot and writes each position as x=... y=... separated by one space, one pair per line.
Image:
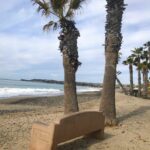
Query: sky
x=28 y=52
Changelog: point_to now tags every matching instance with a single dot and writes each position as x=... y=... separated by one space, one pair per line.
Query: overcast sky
x=28 y=52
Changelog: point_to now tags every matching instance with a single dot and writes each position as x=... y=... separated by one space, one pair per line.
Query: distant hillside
x=62 y=82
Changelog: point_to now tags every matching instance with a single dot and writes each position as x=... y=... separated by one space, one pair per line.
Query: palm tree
x=61 y=14
x=137 y=52
x=130 y=61
x=113 y=40
x=147 y=46
x=145 y=66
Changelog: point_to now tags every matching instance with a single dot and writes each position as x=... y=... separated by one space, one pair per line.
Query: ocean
x=13 y=88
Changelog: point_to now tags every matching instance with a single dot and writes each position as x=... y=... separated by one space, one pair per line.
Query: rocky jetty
x=62 y=82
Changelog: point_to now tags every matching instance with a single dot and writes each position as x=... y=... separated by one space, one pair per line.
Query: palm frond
x=140 y=66
x=137 y=51
x=148 y=65
x=58 y=6
x=43 y=6
x=51 y=25
x=69 y=14
x=76 y=4
x=125 y=62
x=55 y=26
x=147 y=44
x=129 y=60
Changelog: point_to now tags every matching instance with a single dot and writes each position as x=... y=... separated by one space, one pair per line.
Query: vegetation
x=64 y=11
x=145 y=66
x=140 y=58
x=130 y=61
x=137 y=52
x=61 y=14
x=113 y=40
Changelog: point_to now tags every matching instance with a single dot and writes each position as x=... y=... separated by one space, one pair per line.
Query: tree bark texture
x=131 y=78
x=139 y=82
x=145 y=81
x=68 y=46
x=113 y=40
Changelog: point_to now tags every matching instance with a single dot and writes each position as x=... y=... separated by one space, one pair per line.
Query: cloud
x=15 y=18
x=91 y=9
x=7 y=6
x=26 y=51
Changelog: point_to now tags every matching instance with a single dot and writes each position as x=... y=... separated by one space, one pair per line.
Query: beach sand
x=132 y=133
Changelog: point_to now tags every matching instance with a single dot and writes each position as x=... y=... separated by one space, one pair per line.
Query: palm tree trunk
x=145 y=81
x=149 y=53
x=139 y=82
x=68 y=46
x=70 y=95
x=131 y=78
x=108 y=92
x=113 y=39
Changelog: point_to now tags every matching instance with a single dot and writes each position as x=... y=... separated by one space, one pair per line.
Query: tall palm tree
x=147 y=46
x=145 y=66
x=61 y=14
x=113 y=40
x=137 y=52
x=130 y=61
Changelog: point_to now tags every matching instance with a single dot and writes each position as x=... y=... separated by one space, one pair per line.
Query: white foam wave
x=88 y=89
x=11 y=92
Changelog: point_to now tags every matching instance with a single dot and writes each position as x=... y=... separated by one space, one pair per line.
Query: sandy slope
x=132 y=133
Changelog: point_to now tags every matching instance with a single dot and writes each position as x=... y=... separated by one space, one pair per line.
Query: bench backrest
x=46 y=137
x=78 y=124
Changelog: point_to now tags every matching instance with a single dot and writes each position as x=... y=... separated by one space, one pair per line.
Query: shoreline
x=45 y=95
x=6 y=93
x=17 y=99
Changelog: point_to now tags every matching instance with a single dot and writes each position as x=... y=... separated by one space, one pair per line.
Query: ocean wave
x=88 y=89
x=12 y=92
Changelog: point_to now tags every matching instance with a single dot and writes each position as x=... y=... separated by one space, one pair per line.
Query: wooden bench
x=46 y=137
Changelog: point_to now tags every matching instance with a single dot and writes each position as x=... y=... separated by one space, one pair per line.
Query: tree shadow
x=82 y=143
x=136 y=112
x=7 y=111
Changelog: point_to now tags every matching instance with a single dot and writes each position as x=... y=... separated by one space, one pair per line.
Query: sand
x=132 y=133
